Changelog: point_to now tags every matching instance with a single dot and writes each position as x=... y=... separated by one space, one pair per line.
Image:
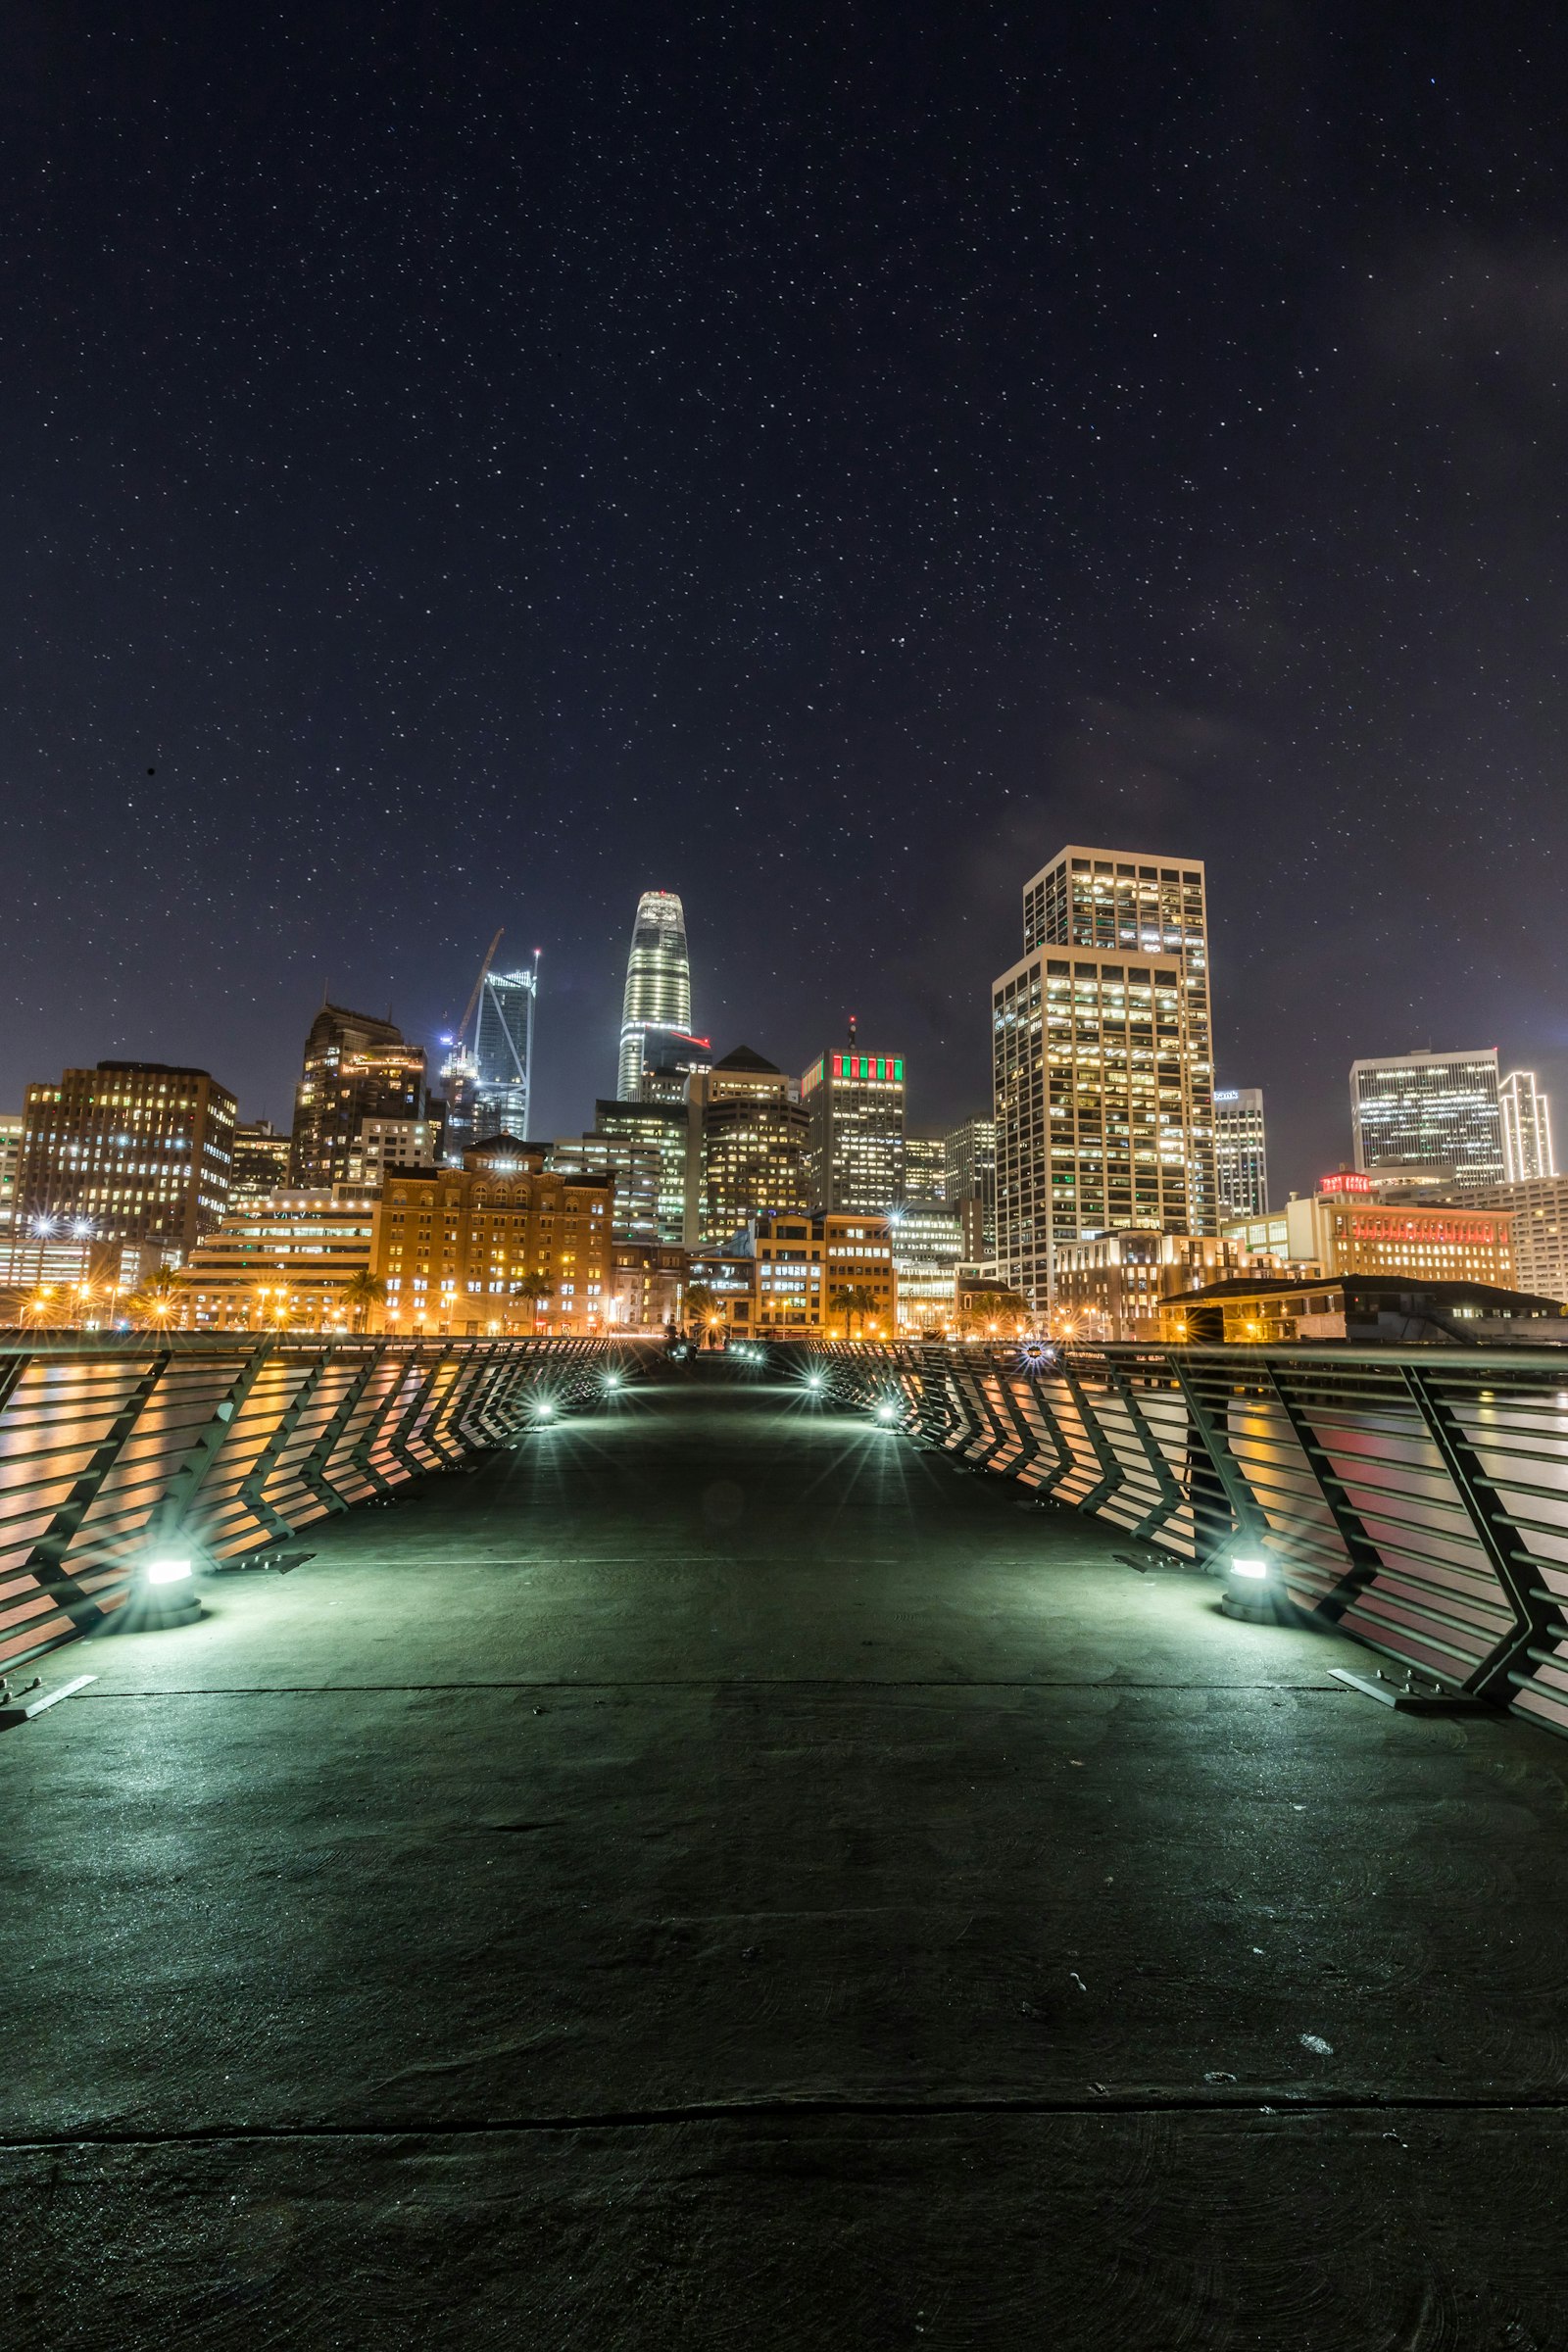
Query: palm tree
x=699 y=1297
x=856 y=1298
x=534 y=1287
x=989 y=1308
x=361 y=1292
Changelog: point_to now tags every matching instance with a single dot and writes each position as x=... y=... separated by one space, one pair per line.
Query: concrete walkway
x=717 y=1877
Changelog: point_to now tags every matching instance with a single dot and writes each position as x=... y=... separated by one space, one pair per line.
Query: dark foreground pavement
x=717 y=1877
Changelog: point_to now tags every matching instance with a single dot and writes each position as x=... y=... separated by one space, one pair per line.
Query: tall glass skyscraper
x=659 y=989
x=503 y=1053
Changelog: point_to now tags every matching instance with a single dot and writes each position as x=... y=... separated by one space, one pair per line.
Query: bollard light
x=1253 y=1589
x=886 y=1412
x=814 y=1381
x=163 y=1594
x=169 y=1572
x=612 y=1379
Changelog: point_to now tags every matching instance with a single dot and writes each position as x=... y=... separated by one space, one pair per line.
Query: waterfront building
x=1428 y=1118
x=925 y=1167
x=1527 y=1152
x=1102 y=1065
x=283 y=1262
x=1118 y=1285
x=753 y=1140
x=656 y=1007
x=927 y=1238
x=136 y=1152
x=261 y=1161
x=502 y=1244
x=1366 y=1309
x=356 y=1068
x=855 y=1106
x=503 y=1052
x=969 y=1184
x=802 y=1267
x=1241 y=1154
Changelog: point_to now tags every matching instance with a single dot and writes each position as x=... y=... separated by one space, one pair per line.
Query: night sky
x=466 y=464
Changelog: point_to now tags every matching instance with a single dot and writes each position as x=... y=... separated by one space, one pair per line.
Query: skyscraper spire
x=658 y=988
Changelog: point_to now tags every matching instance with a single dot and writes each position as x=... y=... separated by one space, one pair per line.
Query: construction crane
x=460 y=1031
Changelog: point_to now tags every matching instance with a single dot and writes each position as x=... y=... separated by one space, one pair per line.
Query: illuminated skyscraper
x=1103 y=1081
x=356 y=1067
x=1526 y=1128
x=503 y=1052
x=1425 y=1116
x=1241 y=1157
x=855 y=1105
x=659 y=990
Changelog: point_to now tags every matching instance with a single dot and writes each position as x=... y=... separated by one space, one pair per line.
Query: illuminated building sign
x=878 y=1069
x=1474 y=1234
x=1343 y=1182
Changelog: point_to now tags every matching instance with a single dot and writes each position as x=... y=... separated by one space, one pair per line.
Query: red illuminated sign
x=1342 y=1181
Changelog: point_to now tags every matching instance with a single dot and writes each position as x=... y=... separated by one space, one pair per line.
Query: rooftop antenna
x=851 y=1033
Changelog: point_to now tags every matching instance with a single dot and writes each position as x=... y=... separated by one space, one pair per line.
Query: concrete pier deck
x=714 y=1877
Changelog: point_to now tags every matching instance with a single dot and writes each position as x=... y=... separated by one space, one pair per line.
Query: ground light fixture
x=887 y=1411
x=1253 y=1589
x=612 y=1379
x=163 y=1594
x=814 y=1381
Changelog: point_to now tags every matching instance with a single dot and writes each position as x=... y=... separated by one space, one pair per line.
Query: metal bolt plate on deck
x=10 y=1715
x=1405 y=1697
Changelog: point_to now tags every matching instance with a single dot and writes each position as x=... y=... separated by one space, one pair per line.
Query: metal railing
x=224 y=1444
x=1415 y=1498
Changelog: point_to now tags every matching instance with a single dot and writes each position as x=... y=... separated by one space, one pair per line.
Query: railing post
x=314 y=1467
x=1246 y=1511
x=46 y=1556
x=1171 y=1497
x=1367 y=1561
x=1111 y=1473
x=1489 y=1679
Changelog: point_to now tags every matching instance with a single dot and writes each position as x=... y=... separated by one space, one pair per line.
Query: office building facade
x=656 y=1006
x=754 y=1137
x=969 y=1184
x=279 y=1263
x=1527 y=1152
x=669 y=1129
x=1116 y=1286
x=137 y=1153
x=927 y=1238
x=855 y=1110
x=634 y=1171
x=1102 y=1063
x=1538 y=1212
x=356 y=1068
x=261 y=1154
x=1428 y=1118
x=802 y=1268
x=1241 y=1153
x=925 y=1167
x=11 y=1125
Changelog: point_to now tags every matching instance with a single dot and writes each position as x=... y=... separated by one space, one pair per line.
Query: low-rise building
x=1539 y=1234
x=1346 y=1228
x=804 y=1268
x=1365 y=1309
x=1116 y=1286
x=648 y=1284
x=282 y=1262
x=502 y=1244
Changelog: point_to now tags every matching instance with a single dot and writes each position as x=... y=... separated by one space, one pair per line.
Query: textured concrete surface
x=717 y=1877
